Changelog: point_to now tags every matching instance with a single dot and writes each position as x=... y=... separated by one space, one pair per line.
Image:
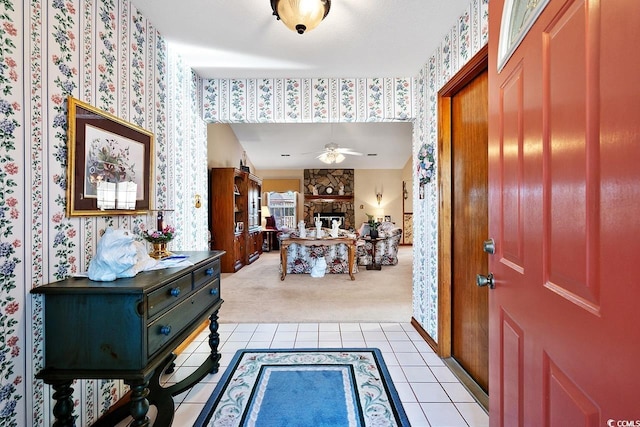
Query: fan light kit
x=331 y=157
x=300 y=15
x=334 y=154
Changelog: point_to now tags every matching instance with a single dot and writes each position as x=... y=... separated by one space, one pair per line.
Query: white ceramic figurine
x=318 y=228
x=335 y=228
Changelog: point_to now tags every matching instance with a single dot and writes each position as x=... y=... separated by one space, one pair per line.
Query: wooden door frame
x=470 y=71
x=475 y=66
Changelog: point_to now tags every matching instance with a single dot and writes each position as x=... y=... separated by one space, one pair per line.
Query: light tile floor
x=431 y=395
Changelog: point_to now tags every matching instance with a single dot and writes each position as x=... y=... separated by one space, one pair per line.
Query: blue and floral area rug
x=305 y=387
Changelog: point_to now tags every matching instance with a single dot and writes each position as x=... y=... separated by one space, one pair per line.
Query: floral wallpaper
x=466 y=37
x=371 y=100
x=12 y=205
x=103 y=52
x=307 y=100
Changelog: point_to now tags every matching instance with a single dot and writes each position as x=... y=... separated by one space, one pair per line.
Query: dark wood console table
x=128 y=329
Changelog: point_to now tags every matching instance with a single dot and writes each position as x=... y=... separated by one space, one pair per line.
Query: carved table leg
x=139 y=405
x=214 y=341
x=63 y=408
x=170 y=364
x=283 y=260
x=351 y=250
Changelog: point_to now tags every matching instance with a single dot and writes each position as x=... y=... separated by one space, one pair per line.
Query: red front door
x=564 y=211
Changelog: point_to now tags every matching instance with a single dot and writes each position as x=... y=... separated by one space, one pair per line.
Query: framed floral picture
x=109 y=167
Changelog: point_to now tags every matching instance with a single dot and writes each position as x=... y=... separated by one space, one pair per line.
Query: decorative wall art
x=426 y=164
x=407 y=234
x=109 y=163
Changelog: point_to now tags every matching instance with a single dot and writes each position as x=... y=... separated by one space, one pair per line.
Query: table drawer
x=206 y=273
x=166 y=327
x=171 y=293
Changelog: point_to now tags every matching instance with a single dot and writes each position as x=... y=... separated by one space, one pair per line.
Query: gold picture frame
x=104 y=148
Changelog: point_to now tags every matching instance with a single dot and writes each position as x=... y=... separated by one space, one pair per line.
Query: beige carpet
x=255 y=294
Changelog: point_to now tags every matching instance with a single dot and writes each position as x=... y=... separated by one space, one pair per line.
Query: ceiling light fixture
x=330 y=157
x=300 y=15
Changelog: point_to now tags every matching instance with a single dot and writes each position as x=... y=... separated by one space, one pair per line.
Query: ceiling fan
x=333 y=153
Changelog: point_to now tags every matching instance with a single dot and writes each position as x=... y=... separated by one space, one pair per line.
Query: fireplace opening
x=328 y=217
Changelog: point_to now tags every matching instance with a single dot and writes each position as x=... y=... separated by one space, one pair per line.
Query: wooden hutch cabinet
x=234 y=216
x=254 y=240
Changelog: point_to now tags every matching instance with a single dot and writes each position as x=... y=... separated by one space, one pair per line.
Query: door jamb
x=468 y=72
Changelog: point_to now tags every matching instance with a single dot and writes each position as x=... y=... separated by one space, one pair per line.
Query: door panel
x=571 y=239
x=470 y=309
x=567 y=404
x=564 y=185
x=511 y=361
x=511 y=163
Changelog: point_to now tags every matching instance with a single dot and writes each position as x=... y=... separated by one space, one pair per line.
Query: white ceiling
x=383 y=145
x=358 y=39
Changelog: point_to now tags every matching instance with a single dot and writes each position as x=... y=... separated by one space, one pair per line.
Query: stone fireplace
x=329 y=193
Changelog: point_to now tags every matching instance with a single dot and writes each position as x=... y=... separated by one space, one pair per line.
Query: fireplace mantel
x=327 y=199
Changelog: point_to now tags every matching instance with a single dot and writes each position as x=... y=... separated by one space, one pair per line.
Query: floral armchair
x=301 y=259
x=386 y=248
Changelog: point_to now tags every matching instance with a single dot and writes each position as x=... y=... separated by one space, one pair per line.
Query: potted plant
x=373 y=227
x=159 y=240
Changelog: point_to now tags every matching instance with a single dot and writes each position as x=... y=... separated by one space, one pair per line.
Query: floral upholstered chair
x=386 y=247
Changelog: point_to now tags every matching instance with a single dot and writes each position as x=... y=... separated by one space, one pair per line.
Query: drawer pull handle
x=209 y=271
x=213 y=291
x=175 y=292
x=165 y=330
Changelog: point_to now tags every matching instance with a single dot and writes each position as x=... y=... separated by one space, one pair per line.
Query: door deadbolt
x=483 y=281
x=489 y=246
